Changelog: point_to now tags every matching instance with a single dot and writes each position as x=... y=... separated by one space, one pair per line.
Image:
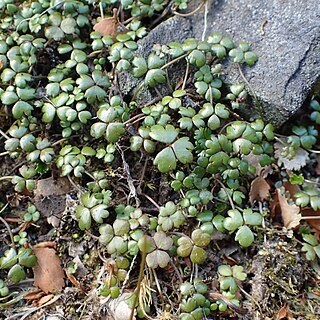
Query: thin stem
x=311 y=182
x=150 y=199
x=142 y=265
x=7 y=226
x=158 y=285
x=4 y=135
x=205 y=22
x=6 y=178
x=311 y=217
x=101 y=10
x=139 y=117
x=185 y=76
x=190 y=13
x=314 y=151
x=227 y=193
x=251 y=89
x=173 y=61
x=4 y=153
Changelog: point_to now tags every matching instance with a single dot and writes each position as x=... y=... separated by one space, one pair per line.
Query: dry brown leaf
x=107 y=26
x=45 y=299
x=259 y=189
x=315 y=223
x=48 y=273
x=75 y=282
x=45 y=244
x=34 y=295
x=290 y=212
x=317 y=168
x=291 y=188
x=284 y=313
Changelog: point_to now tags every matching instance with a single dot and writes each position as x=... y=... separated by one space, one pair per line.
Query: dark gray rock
x=288 y=48
x=284 y=34
x=174 y=29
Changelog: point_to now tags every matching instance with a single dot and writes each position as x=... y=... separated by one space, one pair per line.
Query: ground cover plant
x=174 y=209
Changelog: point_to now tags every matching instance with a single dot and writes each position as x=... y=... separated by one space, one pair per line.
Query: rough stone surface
x=173 y=29
x=288 y=49
x=284 y=34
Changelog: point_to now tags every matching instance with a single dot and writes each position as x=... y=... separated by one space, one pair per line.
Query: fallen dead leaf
x=45 y=299
x=284 y=313
x=48 y=273
x=290 y=212
x=315 y=223
x=259 y=190
x=34 y=294
x=108 y=26
x=291 y=188
x=50 y=196
x=45 y=244
x=317 y=168
x=75 y=282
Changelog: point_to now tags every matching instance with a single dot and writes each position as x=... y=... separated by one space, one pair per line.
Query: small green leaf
x=16 y=273
x=198 y=255
x=244 y=236
x=165 y=160
x=163 y=134
x=114 y=131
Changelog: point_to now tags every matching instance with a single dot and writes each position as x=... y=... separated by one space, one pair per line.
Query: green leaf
x=252 y=218
x=98 y=129
x=225 y=270
x=99 y=213
x=163 y=134
x=16 y=273
x=244 y=236
x=84 y=218
x=26 y=258
x=154 y=61
x=237 y=272
x=165 y=160
x=21 y=108
x=197 y=58
x=140 y=67
x=234 y=221
x=182 y=149
x=162 y=241
x=114 y=131
x=146 y=244
x=155 y=76
x=9 y=97
x=68 y=25
x=95 y=93
x=200 y=238
x=184 y=247
x=157 y=258
x=198 y=255
x=9 y=259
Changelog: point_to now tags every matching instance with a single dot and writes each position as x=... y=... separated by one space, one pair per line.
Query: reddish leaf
x=34 y=295
x=290 y=212
x=45 y=299
x=48 y=274
x=108 y=26
x=291 y=188
x=284 y=313
x=317 y=169
x=315 y=223
x=75 y=282
x=259 y=190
